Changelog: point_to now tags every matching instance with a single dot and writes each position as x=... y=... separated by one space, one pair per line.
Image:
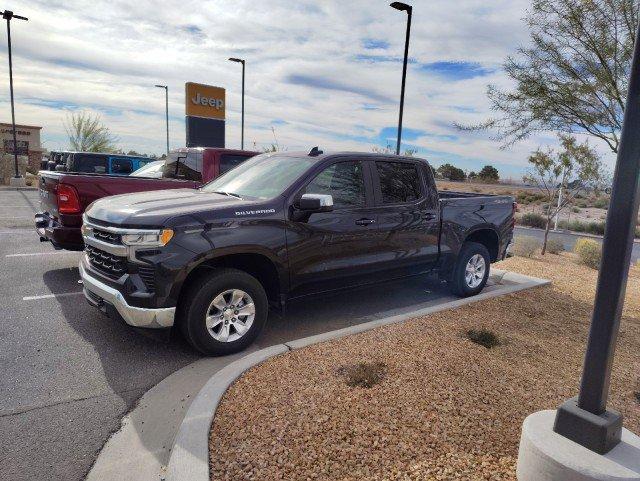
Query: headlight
x=149 y=239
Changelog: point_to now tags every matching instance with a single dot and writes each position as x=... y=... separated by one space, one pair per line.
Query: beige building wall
x=28 y=137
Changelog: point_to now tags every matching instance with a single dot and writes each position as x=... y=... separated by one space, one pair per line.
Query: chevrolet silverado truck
x=65 y=195
x=278 y=227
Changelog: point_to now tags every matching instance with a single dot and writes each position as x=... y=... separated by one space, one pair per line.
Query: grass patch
x=526 y=246
x=554 y=246
x=484 y=337
x=364 y=374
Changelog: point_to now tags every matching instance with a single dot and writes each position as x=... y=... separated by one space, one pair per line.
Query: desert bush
x=554 y=246
x=532 y=219
x=601 y=203
x=575 y=210
x=589 y=252
x=526 y=246
x=596 y=228
x=364 y=374
x=484 y=337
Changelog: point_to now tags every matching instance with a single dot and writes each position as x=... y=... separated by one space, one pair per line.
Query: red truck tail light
x=68 y=199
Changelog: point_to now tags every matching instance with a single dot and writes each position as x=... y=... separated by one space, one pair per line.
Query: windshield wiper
x=230 y=194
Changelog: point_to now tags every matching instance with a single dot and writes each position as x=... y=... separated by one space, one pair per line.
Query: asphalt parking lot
x=69 y=374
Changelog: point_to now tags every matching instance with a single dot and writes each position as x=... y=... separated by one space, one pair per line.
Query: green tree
x=572 y=76
x=87 y=133
x=388 y=150
x=489 y=174
x=451 y=172
x=573 y=169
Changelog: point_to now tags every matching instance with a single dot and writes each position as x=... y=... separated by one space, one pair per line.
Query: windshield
x=152 y=168
x=263 y=177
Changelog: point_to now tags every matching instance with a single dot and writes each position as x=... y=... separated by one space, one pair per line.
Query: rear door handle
x=364 y=221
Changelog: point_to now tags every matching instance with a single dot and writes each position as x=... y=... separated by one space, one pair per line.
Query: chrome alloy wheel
x=475 y=270
x=230 y=315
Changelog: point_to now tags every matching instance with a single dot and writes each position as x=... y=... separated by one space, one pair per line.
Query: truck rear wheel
x=471 y=271
x=224 y=312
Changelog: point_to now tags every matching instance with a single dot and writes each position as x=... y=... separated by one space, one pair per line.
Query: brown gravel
x=445 y=409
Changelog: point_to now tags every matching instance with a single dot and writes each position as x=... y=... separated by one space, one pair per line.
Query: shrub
x=484 y=337
x=532 y=219
x=601 y=203
x=364 y=374
x=589 y=252
x=554 y=246
x=579 y=226
x=526 y=246
x=575 y=210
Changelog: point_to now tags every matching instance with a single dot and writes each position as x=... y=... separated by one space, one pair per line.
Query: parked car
x=152 y=169
x=279 y=227
x=65 y=195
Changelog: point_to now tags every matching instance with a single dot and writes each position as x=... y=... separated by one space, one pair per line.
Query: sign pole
x=585 y=419
x=8 y=15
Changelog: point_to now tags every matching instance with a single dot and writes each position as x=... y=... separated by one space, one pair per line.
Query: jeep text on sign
x=204 y=101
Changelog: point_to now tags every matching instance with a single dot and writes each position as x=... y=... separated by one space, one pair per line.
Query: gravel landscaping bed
x=439 y=406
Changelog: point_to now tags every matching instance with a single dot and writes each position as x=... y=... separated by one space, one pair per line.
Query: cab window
x=120 y=166
x=229 y=161
x=399 y=182
x=184 y=165
x=344 y=181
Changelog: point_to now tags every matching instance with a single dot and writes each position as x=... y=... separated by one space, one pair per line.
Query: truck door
x=408 y=216
x=331 y=250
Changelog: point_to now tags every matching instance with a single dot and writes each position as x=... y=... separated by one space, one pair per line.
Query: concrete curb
x=190 y=454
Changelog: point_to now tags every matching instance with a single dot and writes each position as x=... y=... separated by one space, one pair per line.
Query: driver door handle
x=365 y=221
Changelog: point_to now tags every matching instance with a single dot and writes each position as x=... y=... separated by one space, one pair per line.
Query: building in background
x=28 y=137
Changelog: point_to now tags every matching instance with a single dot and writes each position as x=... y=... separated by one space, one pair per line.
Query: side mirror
x=316 y=203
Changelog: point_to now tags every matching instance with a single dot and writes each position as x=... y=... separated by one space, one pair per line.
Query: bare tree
x=87 y=133
x=573 y=76
x=574 y=169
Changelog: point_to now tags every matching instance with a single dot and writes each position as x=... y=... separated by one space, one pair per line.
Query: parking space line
x=50 y=296
x=41 y=254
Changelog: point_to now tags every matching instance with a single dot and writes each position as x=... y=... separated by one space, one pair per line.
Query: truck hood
x=151 y=209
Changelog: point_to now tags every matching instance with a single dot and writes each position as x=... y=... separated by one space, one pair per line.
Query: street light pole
x=409 y=9
x=585 y=419
x=239 y=60
x=8 y=15
x=166 y=110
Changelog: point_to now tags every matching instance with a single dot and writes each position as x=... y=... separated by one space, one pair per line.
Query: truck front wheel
x=224 y=312
x=471 y=271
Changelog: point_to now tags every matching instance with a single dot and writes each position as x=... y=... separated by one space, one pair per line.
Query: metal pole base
x=599 y=433
x=17 y=182
x=547 y=456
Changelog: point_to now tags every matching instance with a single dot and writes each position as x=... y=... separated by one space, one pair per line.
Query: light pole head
x=162 y=86
x=401 y=6
x=8 y=15
x=239 y=60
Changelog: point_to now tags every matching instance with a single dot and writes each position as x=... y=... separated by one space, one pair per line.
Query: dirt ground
x=445 y=409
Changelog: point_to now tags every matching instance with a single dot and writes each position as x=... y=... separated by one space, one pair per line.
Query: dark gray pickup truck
x=278 y=227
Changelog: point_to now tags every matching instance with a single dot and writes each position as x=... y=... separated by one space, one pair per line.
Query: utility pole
x=409 y=9
x=166 y=110
x=8 y=15
x=239 y=60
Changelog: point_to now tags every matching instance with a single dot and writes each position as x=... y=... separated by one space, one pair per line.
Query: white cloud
x=107 y=56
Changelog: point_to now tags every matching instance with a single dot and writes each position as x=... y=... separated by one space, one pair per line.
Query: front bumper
x=102 y=296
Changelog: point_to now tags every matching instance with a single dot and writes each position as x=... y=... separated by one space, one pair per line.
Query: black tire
x=459 y=285
x=198 y=299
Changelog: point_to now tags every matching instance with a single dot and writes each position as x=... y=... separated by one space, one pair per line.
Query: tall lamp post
x=409 y=9
x=8 y=15
x=239 y=60
x=166 y=110
x=584 y=421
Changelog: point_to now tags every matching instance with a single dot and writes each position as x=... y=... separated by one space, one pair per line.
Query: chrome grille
x=105 y=263
x=106 y=236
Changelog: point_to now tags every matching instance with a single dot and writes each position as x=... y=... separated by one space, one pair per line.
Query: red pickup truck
x=64 y=196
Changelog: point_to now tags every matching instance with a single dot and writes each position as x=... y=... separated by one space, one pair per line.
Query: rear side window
x=399 y=182
x=229 y=161
x=91 y=164
x=343 y=181
x=184 y=165
x=121 y=166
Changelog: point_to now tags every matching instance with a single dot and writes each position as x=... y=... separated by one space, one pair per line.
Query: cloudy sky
x=323 y=72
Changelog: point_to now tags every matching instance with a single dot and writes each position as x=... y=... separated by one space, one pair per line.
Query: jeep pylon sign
x=205 y=115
